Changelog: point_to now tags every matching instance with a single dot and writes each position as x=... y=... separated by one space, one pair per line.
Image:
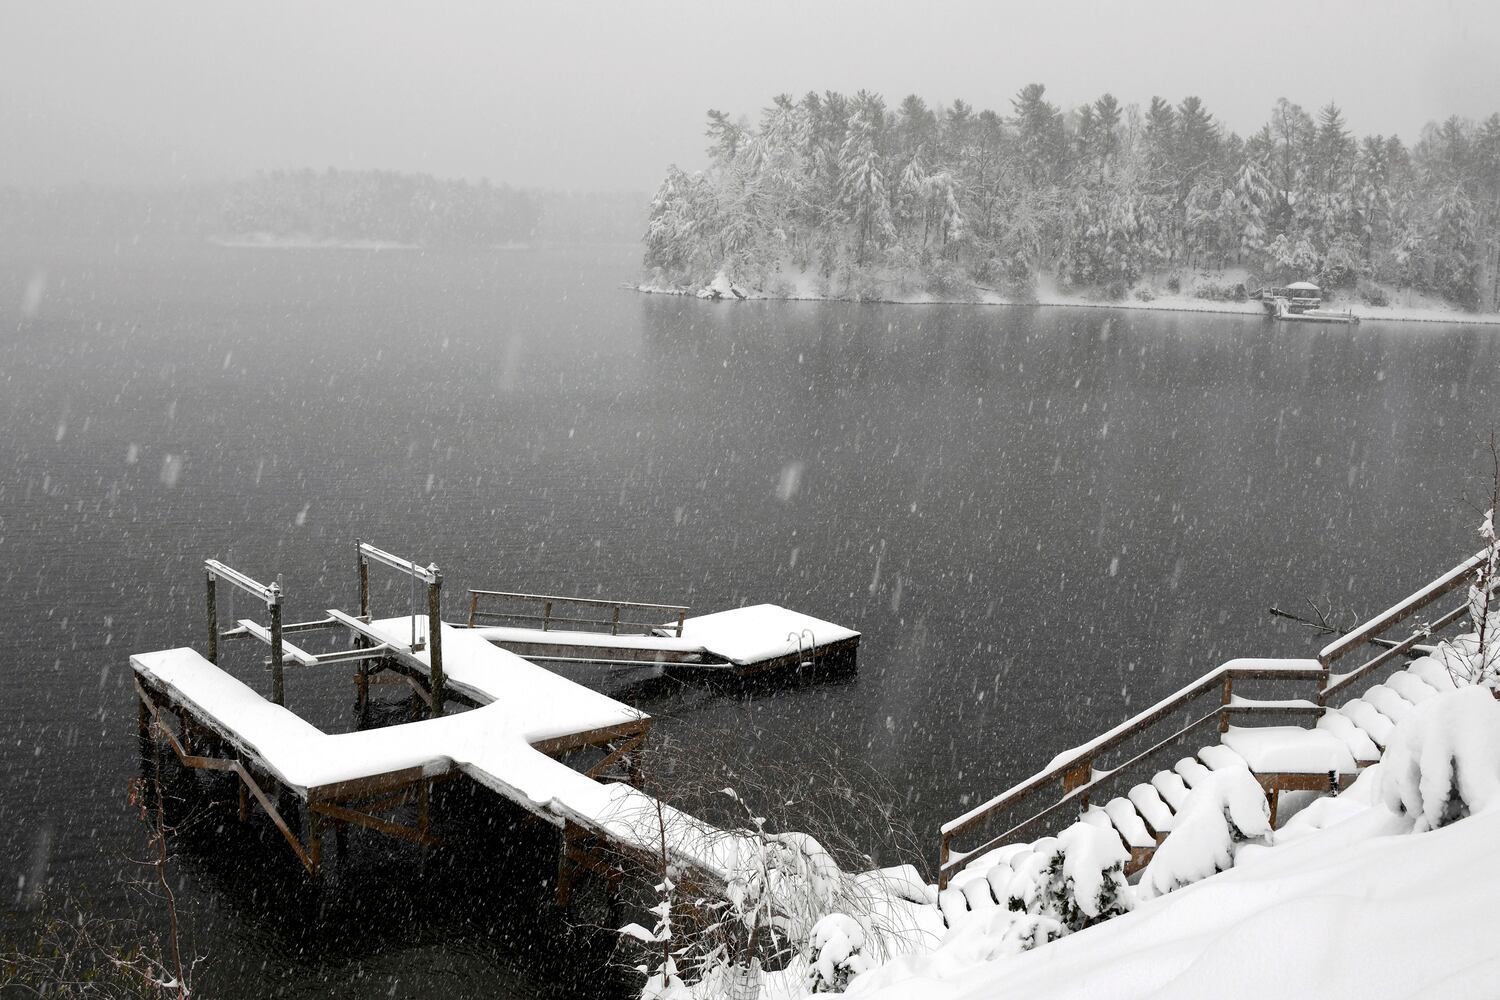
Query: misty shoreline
x=1366 y=314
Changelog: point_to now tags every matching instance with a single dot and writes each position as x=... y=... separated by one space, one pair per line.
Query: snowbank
x=1360 y=897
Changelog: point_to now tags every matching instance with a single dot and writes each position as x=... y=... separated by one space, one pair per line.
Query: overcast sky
x=605 y=95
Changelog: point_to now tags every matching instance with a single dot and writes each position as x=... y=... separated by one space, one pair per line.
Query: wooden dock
x=516 y=718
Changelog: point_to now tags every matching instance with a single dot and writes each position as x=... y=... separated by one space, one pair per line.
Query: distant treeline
x=1099 y=195
x=380 y=205
x=330 y=206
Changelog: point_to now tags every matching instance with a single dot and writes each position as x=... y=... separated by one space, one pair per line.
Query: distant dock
x=520 y=718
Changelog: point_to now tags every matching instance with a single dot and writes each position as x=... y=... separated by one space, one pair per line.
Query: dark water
x=1041 y=520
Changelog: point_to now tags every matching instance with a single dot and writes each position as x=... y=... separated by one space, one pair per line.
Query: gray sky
x=605 y=95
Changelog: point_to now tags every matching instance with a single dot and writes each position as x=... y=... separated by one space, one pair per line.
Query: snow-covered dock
x=522 y=718
x=740 y=642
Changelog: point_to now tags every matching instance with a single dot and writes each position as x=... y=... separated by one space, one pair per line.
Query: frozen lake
x=1041 y=520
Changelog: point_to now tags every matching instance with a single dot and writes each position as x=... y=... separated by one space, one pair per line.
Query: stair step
x=1192 y=771
x=1148 y=802
x=1174 y=791
x=1431 y=671
x=1364 y=715
x=1388 y=703
x=1219 y=756
x=1128 y=822
x=1360 y=745
x=1410 y=687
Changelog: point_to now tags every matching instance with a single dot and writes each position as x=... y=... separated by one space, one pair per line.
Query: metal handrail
x=548 y=619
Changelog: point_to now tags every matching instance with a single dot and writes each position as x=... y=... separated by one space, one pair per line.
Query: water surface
x=1041 y=520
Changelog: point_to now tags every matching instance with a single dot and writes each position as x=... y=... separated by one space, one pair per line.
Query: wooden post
x=1077 y=777
x=473 y=607
x=681 y=617
x=278 y=678
x=1224 y=701
x=213 y=618
x=435 y=637
x=614 y=626
x=546 y=614
x=364 y=581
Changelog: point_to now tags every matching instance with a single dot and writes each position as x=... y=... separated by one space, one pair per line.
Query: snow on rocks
x=721 y=288
x=1228 y=808
x=1443 y=762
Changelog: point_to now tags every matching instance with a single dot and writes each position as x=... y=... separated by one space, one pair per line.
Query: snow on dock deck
x=545 y=705
x=520 y=704
x=744 y=636
x=750 y=639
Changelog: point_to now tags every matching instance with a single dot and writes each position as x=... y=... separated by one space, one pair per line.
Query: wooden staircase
x=1109 y=782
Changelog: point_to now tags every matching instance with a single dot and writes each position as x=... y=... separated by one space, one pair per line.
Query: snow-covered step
x=953 y=905
x=1000 y=878
x=1360 y=745
x=1173 y=790
x=1191 y=771
x=1388 y=703
x=1128 y=822
x=1218 y=757
x=1148 y=802
x=978 y=895
x=1289 y=750
x=1430 y=670
x=1410 y=687
x=1364 y=715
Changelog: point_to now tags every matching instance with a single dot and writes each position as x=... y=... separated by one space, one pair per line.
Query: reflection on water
x=1040 y=519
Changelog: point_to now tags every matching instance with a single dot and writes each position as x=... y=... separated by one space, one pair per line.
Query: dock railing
x=1077 y=774
x=580 y=614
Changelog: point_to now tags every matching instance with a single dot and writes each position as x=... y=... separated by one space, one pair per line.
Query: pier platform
x=514 y=722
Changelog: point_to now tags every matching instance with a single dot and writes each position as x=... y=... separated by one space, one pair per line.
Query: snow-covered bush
x=1077 y=881
x=1443 y=762
x=1475 y=658
x=1220 y=814
x=838 y=953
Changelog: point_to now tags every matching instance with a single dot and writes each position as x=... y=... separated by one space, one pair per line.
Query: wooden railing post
x=681 y=618
x=1224 y=701
x=1078 y=776
x=435 y=637
x=473 y=607
x=614 y=625
x=213 y=617
x=546 y=615
x=364 y=582
x=278 y=673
